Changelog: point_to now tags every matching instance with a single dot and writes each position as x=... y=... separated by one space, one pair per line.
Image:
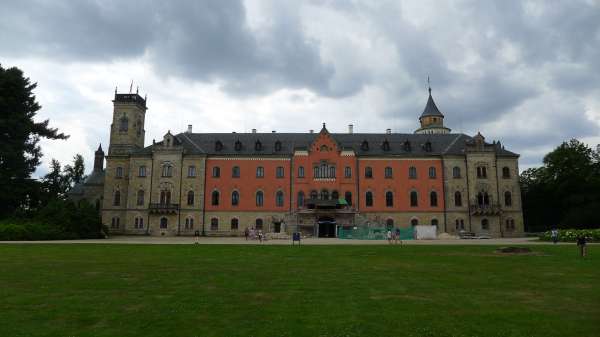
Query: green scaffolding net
x=373 y=233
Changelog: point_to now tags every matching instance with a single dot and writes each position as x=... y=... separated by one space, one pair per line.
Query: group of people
x=393 y=236
x=253 y=234
x=581 y=241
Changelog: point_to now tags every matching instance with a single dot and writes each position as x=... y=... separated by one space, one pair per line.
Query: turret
x=99 y=159
x=127 y=128
x=432 y=119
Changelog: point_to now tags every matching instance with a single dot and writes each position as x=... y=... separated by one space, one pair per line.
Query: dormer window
x=218 y=145
x=406 y=145
x=277 y=146
x=258 y=145
x=386 y=145
x=427 y=146
x=238 y=145
x=364 y=146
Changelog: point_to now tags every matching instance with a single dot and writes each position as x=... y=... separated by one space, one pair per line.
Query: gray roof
x=441 y=144
x=431 y=109
x=95 y=178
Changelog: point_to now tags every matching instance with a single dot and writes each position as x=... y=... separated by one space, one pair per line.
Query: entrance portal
x=326 y=227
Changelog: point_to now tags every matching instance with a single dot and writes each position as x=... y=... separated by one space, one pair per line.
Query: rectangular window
x=119 y=172
x=142 y=171
x=216 y=172
x=368 y=172
x=191 y=171
x=279 y=173
x=348 y=172
x=301 y=172
x=388 y=172
x=260 y=172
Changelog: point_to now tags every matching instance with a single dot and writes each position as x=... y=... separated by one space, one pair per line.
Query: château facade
x=223 y=183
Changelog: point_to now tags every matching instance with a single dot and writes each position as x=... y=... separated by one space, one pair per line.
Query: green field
x=210 y=290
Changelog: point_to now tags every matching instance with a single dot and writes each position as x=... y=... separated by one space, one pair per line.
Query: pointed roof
x=431 y=109
x=99 y=148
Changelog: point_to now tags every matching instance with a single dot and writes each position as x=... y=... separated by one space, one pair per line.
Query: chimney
x=253 y=130
x=189 y=128
x=388 y=131
x=311 y=131
x=273 y=131
x=350 y=128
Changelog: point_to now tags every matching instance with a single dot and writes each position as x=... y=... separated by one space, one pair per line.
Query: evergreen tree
x=75 y=174
x=19 y=136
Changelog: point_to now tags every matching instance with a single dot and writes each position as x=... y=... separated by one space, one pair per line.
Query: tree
x=19 y=136
x=75 y=174
x=55 y=184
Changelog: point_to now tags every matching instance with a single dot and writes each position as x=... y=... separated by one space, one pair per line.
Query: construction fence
x=373 y=233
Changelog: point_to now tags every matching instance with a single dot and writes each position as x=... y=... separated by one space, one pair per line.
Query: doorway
x=326 y=227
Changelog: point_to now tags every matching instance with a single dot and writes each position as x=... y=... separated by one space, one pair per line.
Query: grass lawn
x=206 y=290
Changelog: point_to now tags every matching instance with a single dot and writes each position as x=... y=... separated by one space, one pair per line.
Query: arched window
x=214 y=224
x=115 y=222
x=189 y=223
x=510 y=224
x=433 y=199
x=456 y=172
x=140 y=197
x=215 y=198
x=457 y=199
x=119 y=172
x=412 y=172
x=485 y=225
x=388 y=172
x=260 y=199
x=260 y=172
x=507 y=198
x=414 y=222
x=368 y=172
x=324 y=195
x=364 y=145
x=335 y=195
x=434 y=222
x=314 y=195
x=164 y=223
x=165 y=197
x=505 y=172
x=348 y=197
x=460 y=224
x=190 y=198
x=234 y=224
x=117 y=199
x=483 y=199
x=277 y=146
x=369 y=199
x=279 y=199
x=238 y=145
x=216 y=172
x=235 y=198
x=389 y=199
x=258 y=145
x=123 y=124
x=139 y=222
x=389 y=223
x=218 y=145
x=301 y=172
x=432 y=172
x=258 y=224
x=235 y=172
x=300 y=199
x=481 y=172
x=414 y=199
x=167 y=170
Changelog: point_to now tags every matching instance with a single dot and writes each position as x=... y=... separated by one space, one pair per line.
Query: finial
x=115 y=90
x=323 y=125
x=428 y=85
x=137 y=89
x=100 y=147
x=131 y=86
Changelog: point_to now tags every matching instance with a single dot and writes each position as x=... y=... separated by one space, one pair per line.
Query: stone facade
x=221 y=184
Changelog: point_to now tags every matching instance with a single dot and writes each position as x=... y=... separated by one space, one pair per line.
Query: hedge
x=571 y=235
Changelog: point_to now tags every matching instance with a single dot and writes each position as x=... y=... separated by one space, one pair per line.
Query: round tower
x=432 y=119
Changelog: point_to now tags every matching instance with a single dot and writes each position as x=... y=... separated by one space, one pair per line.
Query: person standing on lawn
x=581 y=243
x=246 y=233
x=554 y=235
x=389 y=236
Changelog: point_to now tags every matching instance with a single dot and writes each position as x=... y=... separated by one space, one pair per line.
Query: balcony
x=158 y=208
x=490 y=209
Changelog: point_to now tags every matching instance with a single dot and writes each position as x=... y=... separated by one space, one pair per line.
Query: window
x=123 y=124
x=481 y=172
x=324 y=195
x=164 y=223
x=335 y=195
x=117 y=199
x=218 y=145
x=235 y=172
x=364 y=146
x=301 y=172
x=388 y=172
x=485 y=224
x=214 y=224
x=414 y=199
x=234 y=224
x=279 y=173
x=215 y=198
x=260 y=199
x=314 y=195
x=433 y=199
x=412 y=172
x=216 y=172
x=348 y=172
x=115 y=222
x=369 y=199
x=389 y=223
x=258 y=145
x=368 y=172
x=483 y=199
x=189 y=223
x=385 y=145
x=457 y=199
x=191 y=171
x=316 y=172
x=389 y=199
x=258 y=224
x=142 y=171
x=432 y=173
x=190 y=198
x=300 y=199
x=140 y=197
x=460 y=224
x=260 y=172
x=167 y=170
x=434 y=222
x=165 y=197
x=348 y=197
x=235 y=198
x=331 y=171
x=510 y=224
x=238 y=145
x=414 y=222
x=456 y=172
x=119 y=173
x=505 y=172
x=507 y=198
x=279 y=199
x=138 y=223
x=428 y=146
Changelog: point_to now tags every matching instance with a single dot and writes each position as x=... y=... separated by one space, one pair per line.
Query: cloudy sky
x=524 y=72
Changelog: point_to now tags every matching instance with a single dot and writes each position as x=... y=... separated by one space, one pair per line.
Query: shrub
x=571 y=235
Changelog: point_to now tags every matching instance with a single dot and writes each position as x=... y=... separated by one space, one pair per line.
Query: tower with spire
x=432 y=119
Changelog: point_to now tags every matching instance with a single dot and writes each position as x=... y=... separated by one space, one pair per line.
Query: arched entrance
x=326 y=227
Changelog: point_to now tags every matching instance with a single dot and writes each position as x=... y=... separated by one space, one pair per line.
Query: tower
x=432 y=120
x=99 y=159
x=127 y=128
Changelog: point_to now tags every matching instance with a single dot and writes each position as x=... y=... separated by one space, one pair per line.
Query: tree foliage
x=565 y=191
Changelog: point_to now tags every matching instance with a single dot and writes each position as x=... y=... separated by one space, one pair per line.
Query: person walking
x=389 y=236
x=397 y=236
x=554 y=235
x=247 y=233
x=260 y=236
x=581 y=243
